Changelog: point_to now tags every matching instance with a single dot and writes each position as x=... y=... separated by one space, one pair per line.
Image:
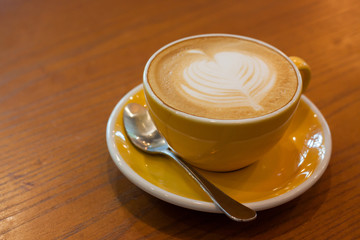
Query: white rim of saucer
x=209 y=206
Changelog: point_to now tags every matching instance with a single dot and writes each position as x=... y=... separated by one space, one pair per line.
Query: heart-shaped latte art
x=230 y=78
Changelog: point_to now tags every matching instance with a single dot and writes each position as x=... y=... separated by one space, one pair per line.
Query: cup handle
x=304 y=71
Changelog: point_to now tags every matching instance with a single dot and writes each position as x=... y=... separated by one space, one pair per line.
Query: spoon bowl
x=141 y=129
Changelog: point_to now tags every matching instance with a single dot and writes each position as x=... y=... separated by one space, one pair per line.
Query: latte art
x=222 y=78
x=230 y=78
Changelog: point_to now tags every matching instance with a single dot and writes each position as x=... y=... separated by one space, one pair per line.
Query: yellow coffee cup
x=223 y=144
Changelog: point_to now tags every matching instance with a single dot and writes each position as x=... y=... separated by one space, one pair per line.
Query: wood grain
x=65 y=64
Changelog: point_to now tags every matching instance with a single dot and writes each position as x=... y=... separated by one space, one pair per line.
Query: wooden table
x=65 y=64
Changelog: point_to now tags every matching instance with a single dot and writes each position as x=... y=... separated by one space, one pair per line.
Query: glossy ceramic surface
x=289 y=169
x=203 y=141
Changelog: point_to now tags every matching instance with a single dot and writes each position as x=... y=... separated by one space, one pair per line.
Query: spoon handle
x=233 y=209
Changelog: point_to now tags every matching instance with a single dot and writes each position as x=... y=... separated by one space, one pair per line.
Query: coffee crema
x=221 y=77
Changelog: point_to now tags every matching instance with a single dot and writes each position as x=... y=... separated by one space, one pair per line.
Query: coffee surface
x=222 y=78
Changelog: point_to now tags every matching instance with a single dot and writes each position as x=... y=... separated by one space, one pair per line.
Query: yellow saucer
x=288 y=170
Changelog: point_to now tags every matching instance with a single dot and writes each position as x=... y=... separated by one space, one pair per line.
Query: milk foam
x=222 y=78
x=230 y=78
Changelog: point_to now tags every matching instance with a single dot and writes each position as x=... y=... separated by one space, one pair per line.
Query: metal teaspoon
x=144 y=135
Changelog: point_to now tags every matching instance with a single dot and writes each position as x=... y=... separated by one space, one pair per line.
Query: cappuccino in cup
x=220 y=100
x=222 y=77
